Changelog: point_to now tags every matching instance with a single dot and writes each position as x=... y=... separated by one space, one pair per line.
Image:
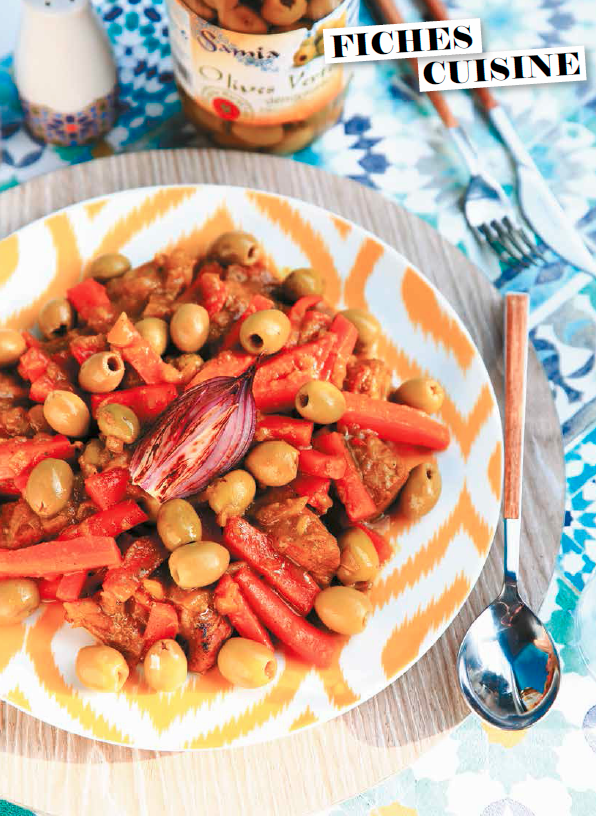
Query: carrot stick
x=397 y=423
x=308 y=642
x=59 y=557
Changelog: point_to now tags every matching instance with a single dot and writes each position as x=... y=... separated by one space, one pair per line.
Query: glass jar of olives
x=252 y=73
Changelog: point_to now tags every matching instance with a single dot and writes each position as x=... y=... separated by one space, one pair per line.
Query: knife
x=537 y=201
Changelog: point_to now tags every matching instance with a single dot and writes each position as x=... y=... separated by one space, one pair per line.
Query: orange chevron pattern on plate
x=436 y=561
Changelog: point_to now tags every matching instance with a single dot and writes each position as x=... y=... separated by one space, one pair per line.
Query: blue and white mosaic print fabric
x=390 y=139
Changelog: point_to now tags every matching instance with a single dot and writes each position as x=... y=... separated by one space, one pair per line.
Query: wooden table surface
x=51 y=770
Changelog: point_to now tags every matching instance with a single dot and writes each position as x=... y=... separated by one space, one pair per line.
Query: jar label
x=257 y=79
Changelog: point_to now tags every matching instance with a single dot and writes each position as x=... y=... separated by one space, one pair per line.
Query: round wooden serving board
x=50 y=770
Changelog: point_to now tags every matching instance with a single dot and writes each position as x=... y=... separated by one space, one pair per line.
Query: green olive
x=55 y=318
x=359 y=559
x=246 y=663
x=165 y=665
x=178 y=523
x=155 y=331
x=265 y=332
x=189 y=327
x=421 y=492
x=19 y=597
x=421 y=392
x=111 y=265
x=231 y=495
x=343 y=609
x=12 y=345
x=367 y=326
x=321 y=402
x=93 y=453
x=198 y=564
x=303 y=282
x=66 y=413
x=273 y=463
x=101 y=668
x=102 y=372
x=236 y=247
x=119 y=421
x=49 y=487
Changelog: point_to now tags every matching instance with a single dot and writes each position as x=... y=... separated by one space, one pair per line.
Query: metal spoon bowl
x=508 y=667
x=507 y=664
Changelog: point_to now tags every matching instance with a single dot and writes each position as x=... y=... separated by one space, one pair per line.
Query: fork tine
x=511 y=244
x=494 y=244
x=522 y=235
x=500 y=249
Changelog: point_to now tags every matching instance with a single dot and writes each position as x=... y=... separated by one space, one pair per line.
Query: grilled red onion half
x=204 y=433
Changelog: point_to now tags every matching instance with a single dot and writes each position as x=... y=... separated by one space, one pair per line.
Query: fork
x=487 y=209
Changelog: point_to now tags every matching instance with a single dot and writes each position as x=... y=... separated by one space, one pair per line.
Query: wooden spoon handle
x=516 y=363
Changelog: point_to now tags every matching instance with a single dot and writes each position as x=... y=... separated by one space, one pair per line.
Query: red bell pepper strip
x=247 y=543
x=279 y=378
x=212 y=292
x=135 y=350
x=258 y=304
x=315 y=489
x=225 y=364
x=396 y=423
x=42 y=386
x=33 y=363
x=380 y=543
x=147 y=401
x=308 y=642
x=82 y=553
x=350 y=488
x=89 y=296
x=110 y=522
x=84 y=347
x=298 y=432
x=48 y=587
x=107 y=488
x=300 y=308
x=325 y=465
x=162 y=623
x=231 y=603
x=142 y=557
x=347 y=335
x=30 y=340
x=16 y=456
x=71 y=586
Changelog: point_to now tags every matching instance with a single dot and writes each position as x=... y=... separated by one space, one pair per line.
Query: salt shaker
x=65 y=72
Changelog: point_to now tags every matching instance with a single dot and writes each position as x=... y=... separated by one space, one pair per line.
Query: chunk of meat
x=110 y=622
x=19 y=525
x=242 y=283
x=368 y=376
x=12 y=388
x=202 y=629
x=142 y=557
x=383 y=472
x=298 y=533
x=152 y=288
x=14 y=419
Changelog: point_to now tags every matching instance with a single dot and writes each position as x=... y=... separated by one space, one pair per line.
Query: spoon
x=508 y=666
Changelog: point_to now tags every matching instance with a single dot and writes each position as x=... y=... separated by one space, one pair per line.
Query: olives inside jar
x=305 y=109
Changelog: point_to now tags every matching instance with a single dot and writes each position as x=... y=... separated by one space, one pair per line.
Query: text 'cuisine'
x=563 y=64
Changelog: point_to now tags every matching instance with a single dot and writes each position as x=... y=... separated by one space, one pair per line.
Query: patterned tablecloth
x=390 y=139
